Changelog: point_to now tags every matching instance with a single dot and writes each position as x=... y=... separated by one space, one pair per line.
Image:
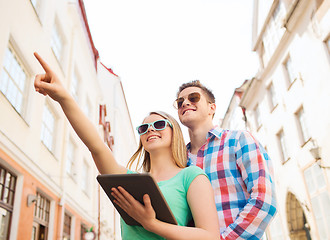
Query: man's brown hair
x=196 y=83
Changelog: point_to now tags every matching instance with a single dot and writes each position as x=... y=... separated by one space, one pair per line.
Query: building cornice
x=295 y=10
x=250 y=91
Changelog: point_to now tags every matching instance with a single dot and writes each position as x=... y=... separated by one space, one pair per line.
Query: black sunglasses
x=192 y=97
x=157 y=125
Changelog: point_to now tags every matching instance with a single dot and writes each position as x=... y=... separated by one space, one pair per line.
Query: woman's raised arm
x=49 y=84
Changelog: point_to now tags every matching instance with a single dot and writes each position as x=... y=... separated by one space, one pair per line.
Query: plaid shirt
x=239 y=170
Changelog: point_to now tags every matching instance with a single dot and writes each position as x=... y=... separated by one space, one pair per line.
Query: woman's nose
x=150 y=128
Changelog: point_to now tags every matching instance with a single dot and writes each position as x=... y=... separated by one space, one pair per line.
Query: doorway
x=298 y=226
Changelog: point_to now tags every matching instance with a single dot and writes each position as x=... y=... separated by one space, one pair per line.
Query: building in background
x=235 y=116
x=119 y=135
x=287 y=106
x=48 y=187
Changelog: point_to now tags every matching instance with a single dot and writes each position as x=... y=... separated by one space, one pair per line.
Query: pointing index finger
x=42 y=62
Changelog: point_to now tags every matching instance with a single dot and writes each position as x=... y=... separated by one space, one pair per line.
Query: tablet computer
x=137 y=184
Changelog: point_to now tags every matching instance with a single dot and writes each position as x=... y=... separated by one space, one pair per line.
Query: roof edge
x=84 y=15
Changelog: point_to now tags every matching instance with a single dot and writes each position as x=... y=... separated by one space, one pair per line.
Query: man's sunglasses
x=192 y=97
x=157 y=125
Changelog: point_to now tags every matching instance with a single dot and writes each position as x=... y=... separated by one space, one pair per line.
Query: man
x=236 y=164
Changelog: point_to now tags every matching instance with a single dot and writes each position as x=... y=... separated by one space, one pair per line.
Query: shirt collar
x=216 y=131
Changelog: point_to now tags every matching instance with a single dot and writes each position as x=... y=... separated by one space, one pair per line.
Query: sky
x=154 y=46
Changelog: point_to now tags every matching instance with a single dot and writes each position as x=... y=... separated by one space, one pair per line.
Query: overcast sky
x=155 y=46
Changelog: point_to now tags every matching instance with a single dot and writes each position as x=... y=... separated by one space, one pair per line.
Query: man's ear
x=213 y=107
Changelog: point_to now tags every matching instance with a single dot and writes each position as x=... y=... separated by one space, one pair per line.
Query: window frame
x=273 y=33
x=302 y=126
x=283 y=147
x=272 y=97
x=75 y=83
x=38 y=8
x=51 y=148
x=257 y=116
x=44 y=211
x=327 y=43
x=67 y=225
x=84 y=177
x=88 y=108
x=316 y=195
x=23 y=91
x=5 y=205
x=57 y=42
x=71 y=159
x=290 y=72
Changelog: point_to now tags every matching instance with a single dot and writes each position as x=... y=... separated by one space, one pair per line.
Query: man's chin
x=187 y=121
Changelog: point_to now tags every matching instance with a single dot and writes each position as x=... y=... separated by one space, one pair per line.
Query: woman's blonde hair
x=177 y=145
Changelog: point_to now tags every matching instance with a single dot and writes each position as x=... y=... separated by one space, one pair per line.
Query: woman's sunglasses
x=192 y=97
x=157 y=125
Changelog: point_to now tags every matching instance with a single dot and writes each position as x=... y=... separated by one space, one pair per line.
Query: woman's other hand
x=144 y=214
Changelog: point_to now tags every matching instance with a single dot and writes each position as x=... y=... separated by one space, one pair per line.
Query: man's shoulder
x=233 y=138
x=234 y=134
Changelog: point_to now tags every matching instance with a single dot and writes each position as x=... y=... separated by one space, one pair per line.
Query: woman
x=187 y=190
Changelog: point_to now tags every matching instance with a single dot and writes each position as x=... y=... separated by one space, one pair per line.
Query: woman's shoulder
x=129 y=171
x=193 y=170
x=190 y=173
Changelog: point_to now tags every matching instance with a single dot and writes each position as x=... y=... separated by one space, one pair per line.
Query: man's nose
x=186 y=102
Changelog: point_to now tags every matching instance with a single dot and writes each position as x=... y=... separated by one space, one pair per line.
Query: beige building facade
x=48 y=187
x=286 y=106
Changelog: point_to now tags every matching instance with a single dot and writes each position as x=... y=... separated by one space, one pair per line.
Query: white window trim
x=59 y=29
x=304 y=134
x=317 y=193
x=86 y=189
x=284 y=151
x=23 y=107
x=54 y=136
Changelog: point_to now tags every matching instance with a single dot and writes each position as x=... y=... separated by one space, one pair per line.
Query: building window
x=7 y=194
x=272 y=97
x=327 y=43
x=283 y=146
x=67 y=227
x=13 y=80
x=257 y=116
x=84 y=177
x=87 y=108
x=70 y=157
x=75 y=85
x=320 y=199
x=290 y=72
x=273 y=32
x=41 y=218
x=48 y=128
x=302 y=125
x=36 y=5
x=57 y=42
